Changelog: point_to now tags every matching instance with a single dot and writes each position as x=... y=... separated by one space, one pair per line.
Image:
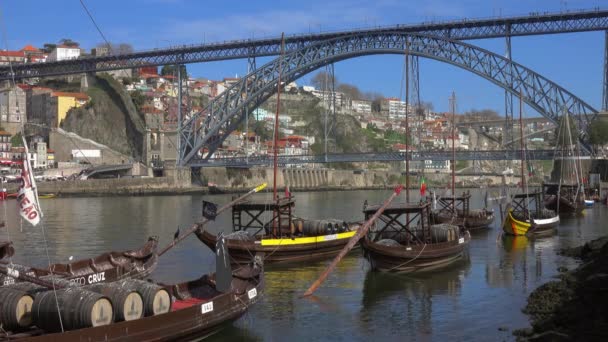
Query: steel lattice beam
x=376 y=157
x=208 y=128
x=534 y=24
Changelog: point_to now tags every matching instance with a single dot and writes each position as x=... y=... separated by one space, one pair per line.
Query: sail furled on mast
x=27 y=197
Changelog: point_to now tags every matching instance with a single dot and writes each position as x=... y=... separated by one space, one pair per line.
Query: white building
x=361 y=106
x=63 y=52
x=396 y=109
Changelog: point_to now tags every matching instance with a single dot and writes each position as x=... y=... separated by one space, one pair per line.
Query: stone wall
x=64 y=142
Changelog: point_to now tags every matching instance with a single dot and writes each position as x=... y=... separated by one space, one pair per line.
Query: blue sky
x=572 y=60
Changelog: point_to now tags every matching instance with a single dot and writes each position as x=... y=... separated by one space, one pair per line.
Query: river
x=470 y=300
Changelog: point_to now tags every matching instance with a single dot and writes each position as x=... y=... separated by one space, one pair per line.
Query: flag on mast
x=27 y=198
x=422 y=186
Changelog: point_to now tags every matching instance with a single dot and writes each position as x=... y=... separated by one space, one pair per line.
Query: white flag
x=27 y=197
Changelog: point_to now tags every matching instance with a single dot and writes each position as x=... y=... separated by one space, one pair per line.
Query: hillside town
x=43 y=107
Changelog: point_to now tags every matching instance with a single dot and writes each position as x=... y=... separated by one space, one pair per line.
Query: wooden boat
x=295 y=241
x=456 y=210
x=527 y=217
x=563 y=199
x=405 y=241
x=198 y=309
x=107 y=267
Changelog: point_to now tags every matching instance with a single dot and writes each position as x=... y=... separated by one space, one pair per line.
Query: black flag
x=209 y=210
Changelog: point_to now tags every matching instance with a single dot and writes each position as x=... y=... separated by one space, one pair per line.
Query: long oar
x=13 y=273
x=198 y=225
x=351 y=243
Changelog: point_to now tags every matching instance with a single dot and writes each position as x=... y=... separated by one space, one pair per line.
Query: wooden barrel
x=79 y=309
x=156 y=299
x=16 y=308
x=339 y=226
x=443 y=232
x=317 y=227
x=127 y=302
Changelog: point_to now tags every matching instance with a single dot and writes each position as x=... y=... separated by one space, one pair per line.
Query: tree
x=49 y=47
x=172 y=70
x=598 y=132
x=322 y=80
x=16 y=140
x=68 y=42
x=377 y=104
x=350 y=91
x=139 y=99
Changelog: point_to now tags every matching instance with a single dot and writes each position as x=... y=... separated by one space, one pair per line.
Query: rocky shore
x=575 y=307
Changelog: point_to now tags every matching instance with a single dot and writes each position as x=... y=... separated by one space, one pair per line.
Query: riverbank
x=575 y=307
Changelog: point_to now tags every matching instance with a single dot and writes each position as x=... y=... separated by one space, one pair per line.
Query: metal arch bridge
x=464 y=29
x=225 y=112
x=377 y=157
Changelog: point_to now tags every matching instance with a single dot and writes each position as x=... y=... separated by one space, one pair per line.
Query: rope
x=407 y=262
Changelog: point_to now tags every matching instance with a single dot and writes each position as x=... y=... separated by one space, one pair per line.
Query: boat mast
x=453 y=109
x=276 y=122
x=407 y=142
x=523 y=154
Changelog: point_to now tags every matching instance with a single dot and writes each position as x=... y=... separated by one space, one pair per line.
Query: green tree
x=139 y=99
x=16 y=140
x=598 y=132
x=49 y=47
x=69 y=42
x=172 y=70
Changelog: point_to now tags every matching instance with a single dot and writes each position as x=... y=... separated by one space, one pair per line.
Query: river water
x=468 y=301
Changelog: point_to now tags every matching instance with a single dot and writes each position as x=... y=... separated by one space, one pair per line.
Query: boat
x=297 y=240
x=47 y=196
x=565 y=199
x=196 y=309
x=589 y=203
x=274 y=231
x=456 y=210
x=107 y=267
x=414 y=246
x=526 y=214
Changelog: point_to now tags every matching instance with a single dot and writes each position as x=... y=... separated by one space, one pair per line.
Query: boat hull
x=470 y=222
x=565 y=207
x=539 y=227
x=285 y=250
x=416 y=258
x=107 y=267
x=198 y=311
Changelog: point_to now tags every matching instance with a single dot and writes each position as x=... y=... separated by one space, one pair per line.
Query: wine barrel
x=79 y=309
x=16 y=308
x=339 y=226
x=156 y=299
x=127 y=302
x=317 y=227
x=443 y=232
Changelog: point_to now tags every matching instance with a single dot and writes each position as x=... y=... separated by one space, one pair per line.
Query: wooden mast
x=276 y=221
x=453 y=109
x=276 y=123
x=523 y=156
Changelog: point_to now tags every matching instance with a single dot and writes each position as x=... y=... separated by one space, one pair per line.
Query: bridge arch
x=226 y=111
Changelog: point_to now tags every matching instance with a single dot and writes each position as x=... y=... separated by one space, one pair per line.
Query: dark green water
x=468 y=301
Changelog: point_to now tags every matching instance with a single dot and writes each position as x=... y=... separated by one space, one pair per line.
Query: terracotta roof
x=12 y=54
x=79 y=96
x=5 y=133
x=48 y=150
x=29 y=48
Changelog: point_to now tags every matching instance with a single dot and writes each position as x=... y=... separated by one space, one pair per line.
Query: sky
x=574 y=61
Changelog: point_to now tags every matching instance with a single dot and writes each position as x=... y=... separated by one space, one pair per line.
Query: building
x=49 y=107
x=13 y=109
x=328 y=98
x=11 y=57
x=64 y=52
x=397 y=108
x=65 y=102
x=5 y=147
x=38 y=147
x=34 y=55
x=361 y=106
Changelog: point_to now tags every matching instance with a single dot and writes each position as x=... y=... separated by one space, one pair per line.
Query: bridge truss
x=207 y=129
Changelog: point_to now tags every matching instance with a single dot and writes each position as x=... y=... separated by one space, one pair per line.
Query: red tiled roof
x=29 y=48
x=12 y=54
x=48 y=150
x=79 y=96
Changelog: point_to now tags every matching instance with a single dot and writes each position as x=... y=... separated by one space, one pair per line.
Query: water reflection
x=406 y=303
